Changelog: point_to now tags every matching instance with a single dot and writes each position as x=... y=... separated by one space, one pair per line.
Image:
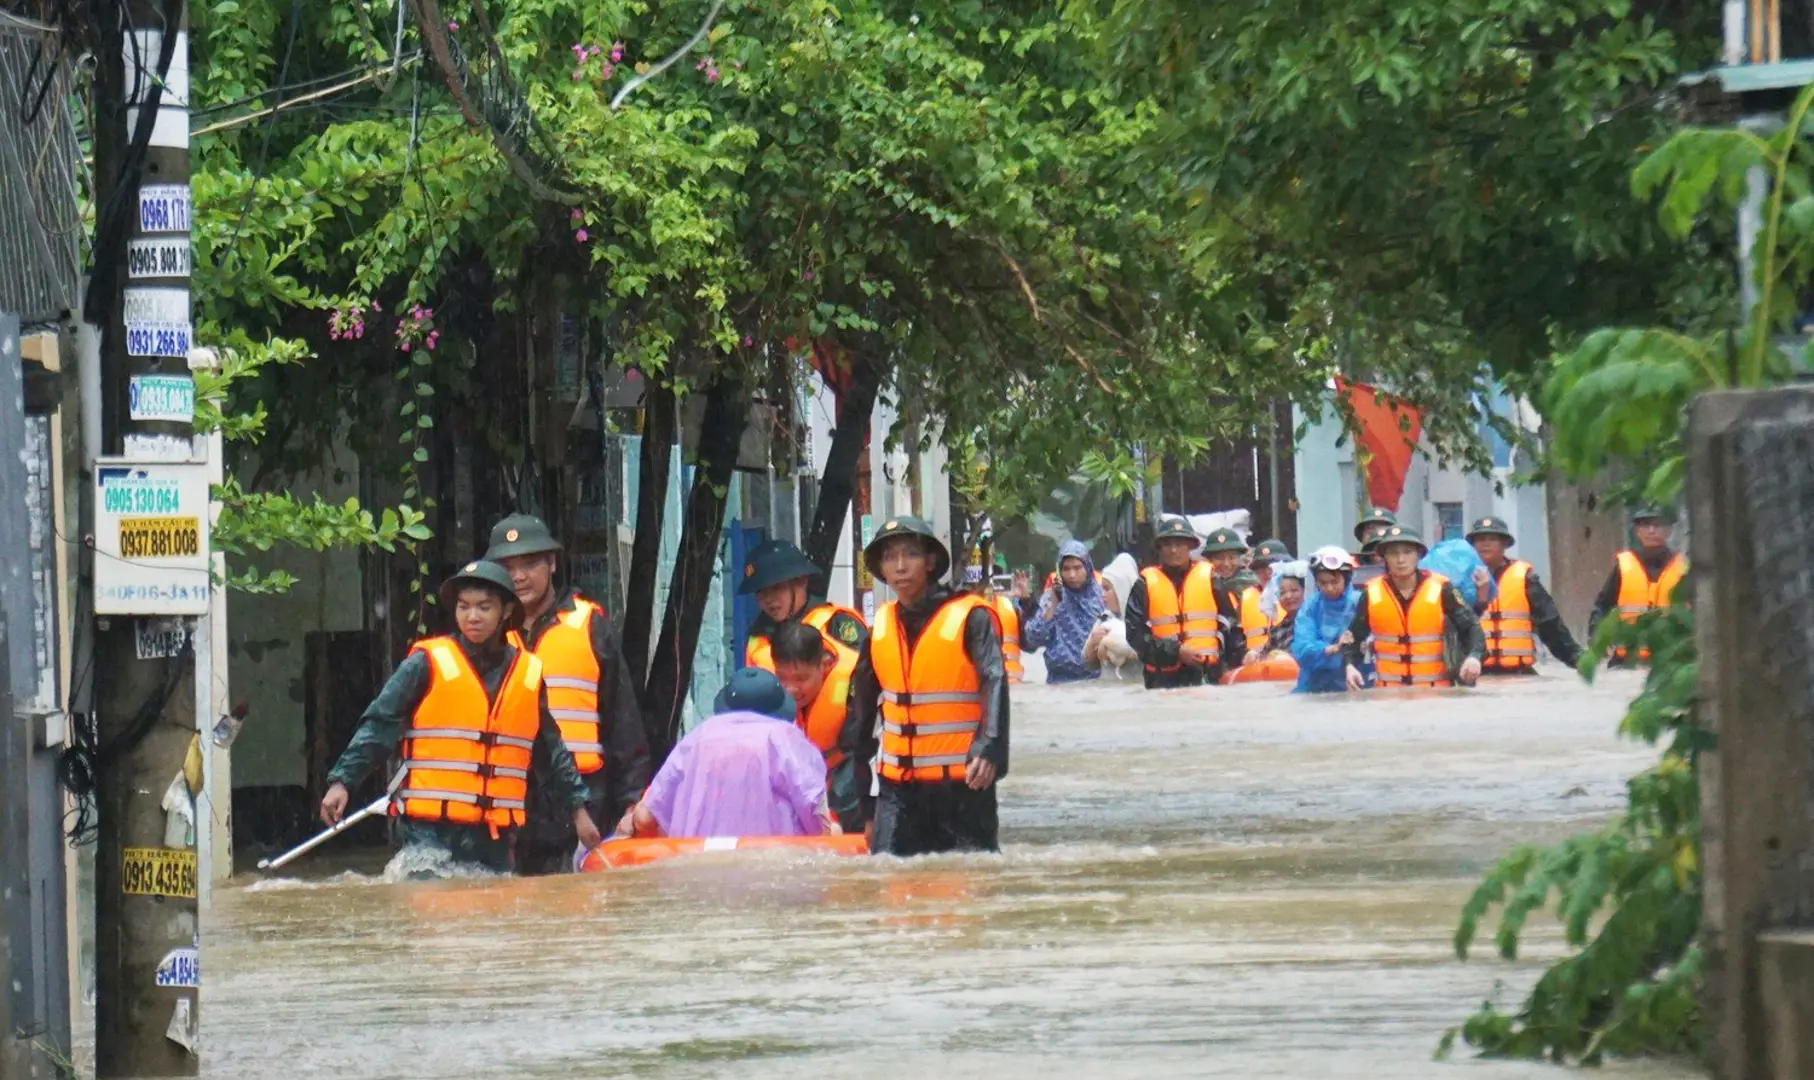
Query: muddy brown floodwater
x=1220 y=882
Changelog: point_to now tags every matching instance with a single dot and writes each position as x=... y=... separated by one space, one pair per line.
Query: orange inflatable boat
x=1275 y=667
x=619 y=854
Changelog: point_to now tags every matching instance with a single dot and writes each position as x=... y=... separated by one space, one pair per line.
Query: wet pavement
x=1219 y=882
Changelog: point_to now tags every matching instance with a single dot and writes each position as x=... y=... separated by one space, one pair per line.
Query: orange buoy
x=1274 y=667
x=619 y=854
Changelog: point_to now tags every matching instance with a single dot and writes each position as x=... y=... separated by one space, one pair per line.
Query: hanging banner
x=1386 y=437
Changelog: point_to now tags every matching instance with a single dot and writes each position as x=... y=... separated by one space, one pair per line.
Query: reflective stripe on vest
x=1511 y=636
x=1009 y=616
x=1407 y=640
x=1196 y=617
x=468 y=756
x=1256 y=628
x=572 y=681
x=1638 y=595
x=931 y=694
x=759 y=652
x=823 y=721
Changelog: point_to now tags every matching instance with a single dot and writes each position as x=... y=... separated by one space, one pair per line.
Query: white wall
x=1329 y=502
x=265 y=635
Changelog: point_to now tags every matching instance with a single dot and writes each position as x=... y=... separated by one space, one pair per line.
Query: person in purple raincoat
x=746 y=771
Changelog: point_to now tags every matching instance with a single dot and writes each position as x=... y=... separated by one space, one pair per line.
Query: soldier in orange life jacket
x=590 y=694
x=1522 y=613
x=780 y=576
x=817 y=677
x=471 y=713
x=928 y=705
x=1408 y=613
x=1256 y=626
x=1006 y=610
x=1181 y=622
x=1644 y=578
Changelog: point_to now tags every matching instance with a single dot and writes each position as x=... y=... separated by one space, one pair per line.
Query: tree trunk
x=838 y=485
x=671 y=672
x=651 y=510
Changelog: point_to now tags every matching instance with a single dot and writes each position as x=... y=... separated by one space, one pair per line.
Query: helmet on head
x=1174 y=528
x=479 y=572
x=1332 y=557
x=1401 y=534
x=1492 y=526
x=908 y=525
x=1270 y=551
x=1375 y=518
x=774 y=562
x=1224 y=540
x=520 y=534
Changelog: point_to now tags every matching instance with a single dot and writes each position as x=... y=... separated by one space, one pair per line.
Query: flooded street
x=1230 y=882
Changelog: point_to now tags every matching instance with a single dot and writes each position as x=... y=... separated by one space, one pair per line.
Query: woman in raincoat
x=1067 y=614
x=1316 y=640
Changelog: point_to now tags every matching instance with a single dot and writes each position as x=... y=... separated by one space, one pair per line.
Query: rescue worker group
x=521 y=741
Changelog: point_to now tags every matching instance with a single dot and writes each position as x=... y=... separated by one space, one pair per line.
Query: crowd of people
x=520 y=735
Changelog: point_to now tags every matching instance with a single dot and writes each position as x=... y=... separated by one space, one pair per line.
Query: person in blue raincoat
x=1322 y=622
x=1067 y=614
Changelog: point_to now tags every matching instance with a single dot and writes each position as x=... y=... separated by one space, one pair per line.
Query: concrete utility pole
x=147 y=533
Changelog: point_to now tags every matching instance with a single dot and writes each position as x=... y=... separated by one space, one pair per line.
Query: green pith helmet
x=1401 y=534
x=774 y=562
x=477 y=572
x=1648 y=513
x=1174 y=528
x=1224 y=540
x=1377 y=516
x=1270 y=551
x=520 y=534
x=1492 y=526
x=908 y=525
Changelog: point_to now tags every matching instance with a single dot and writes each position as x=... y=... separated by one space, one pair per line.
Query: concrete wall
x=265 y=635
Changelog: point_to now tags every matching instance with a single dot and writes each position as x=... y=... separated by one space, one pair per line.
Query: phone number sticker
x=164 y=208
x=157 y=339
x=150 y=871
x=159 y=537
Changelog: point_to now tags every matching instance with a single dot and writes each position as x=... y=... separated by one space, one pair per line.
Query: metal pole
x=145 y=885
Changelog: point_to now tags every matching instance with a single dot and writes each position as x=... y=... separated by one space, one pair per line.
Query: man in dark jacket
x=480 y=598
x=1167 y=663
x=932 y=804
x=597 y=703
x=1491 y=537
x=1651 y=558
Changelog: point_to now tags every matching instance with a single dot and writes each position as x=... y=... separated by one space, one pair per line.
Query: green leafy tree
x=1629 y=895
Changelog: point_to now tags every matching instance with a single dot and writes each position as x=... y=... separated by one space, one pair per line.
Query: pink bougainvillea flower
x=580 y=236
x=617 y=52
x=577 y=216
x=453 y=25
x=404 y=346
x=748 y=340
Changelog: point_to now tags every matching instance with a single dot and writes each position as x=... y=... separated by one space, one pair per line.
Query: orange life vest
x=1255 y=626
x=570 y=671
x=1407 y=640
x=1009 y=615
x=1511 y=636
x=1638 y=594
x=932 y=698
x=468 y=758
x=757 y=652
x=823 y=721
x=1195 y=617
